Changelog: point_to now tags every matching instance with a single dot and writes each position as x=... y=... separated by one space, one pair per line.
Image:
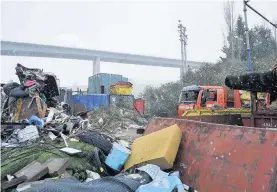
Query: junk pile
x=90 y=162
x=120 y=123
x=44 y=147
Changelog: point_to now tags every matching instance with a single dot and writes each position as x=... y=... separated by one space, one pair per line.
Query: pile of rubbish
x=120 y=123
x=45 y=147
x=92 y=162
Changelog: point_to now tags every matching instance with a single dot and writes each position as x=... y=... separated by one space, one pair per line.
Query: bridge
x=9 y=48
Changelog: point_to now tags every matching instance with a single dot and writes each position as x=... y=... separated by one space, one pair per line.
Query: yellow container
x=158 y=148
x=121 y=90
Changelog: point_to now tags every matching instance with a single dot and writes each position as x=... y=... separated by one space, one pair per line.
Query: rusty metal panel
x=216 y=157
x=262 y=121
x=233 y=119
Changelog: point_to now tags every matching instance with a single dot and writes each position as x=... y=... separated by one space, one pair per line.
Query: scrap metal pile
x=45 y=147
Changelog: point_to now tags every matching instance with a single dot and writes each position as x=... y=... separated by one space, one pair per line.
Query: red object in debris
x=29 y=83
x=139 y=106
x=214 y=157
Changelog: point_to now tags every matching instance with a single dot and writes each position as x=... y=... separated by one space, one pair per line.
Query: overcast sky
x=139 y=27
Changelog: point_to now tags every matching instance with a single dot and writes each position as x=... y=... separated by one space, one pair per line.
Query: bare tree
x=230 y=22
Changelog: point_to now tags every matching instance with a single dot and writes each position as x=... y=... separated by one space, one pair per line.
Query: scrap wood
x=13 y=182
x=18 y=109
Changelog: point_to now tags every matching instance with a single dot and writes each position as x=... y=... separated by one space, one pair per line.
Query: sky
x=138 y=27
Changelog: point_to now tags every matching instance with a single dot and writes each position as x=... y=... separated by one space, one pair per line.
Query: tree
x=262 y=43
x=162 y=100
x=229 y=19
x=240 y=38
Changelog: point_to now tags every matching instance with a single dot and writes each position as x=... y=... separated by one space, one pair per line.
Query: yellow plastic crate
x=158 y=148
x=121 y=90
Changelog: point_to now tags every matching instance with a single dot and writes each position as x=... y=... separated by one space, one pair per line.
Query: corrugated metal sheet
x=214 y=157
x=92 y=101
x=103 y=79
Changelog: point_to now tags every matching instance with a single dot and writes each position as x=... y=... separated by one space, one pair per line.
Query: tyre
x=97 y=140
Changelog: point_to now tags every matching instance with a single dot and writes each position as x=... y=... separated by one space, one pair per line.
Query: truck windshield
x=188 y=96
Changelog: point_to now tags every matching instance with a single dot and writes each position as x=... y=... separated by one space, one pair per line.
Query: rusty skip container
x=215 y=157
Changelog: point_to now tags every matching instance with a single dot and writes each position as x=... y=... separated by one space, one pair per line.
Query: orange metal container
x=214 y=157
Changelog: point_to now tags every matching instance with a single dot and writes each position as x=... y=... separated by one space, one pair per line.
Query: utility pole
x=185 y=48
x=247 y=35
x=183 y=40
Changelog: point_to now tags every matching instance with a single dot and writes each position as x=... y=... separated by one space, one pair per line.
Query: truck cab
x=206 y=97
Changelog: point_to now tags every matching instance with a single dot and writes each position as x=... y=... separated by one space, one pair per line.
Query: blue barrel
x=117 y=157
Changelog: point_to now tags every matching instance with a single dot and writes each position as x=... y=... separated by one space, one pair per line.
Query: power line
x=183 y=39
x=246 y=3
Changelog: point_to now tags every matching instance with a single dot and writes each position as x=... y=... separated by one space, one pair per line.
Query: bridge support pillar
x=96 y=66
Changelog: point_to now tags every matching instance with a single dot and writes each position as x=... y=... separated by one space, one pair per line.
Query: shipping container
x=92 y=101
x=100 y=83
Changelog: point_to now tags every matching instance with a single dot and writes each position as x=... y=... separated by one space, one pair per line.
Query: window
x=188 y=96
x=212 y=95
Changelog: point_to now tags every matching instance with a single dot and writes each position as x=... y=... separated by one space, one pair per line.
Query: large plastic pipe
x=256 y=82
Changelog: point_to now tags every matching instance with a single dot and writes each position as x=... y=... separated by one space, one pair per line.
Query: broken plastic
x=28 y=133
x=70 y=151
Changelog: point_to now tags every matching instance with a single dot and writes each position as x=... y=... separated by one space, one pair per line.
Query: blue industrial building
x=101 y=82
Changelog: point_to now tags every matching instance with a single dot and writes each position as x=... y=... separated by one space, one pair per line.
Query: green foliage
x=162 y=100
x=261 y=41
